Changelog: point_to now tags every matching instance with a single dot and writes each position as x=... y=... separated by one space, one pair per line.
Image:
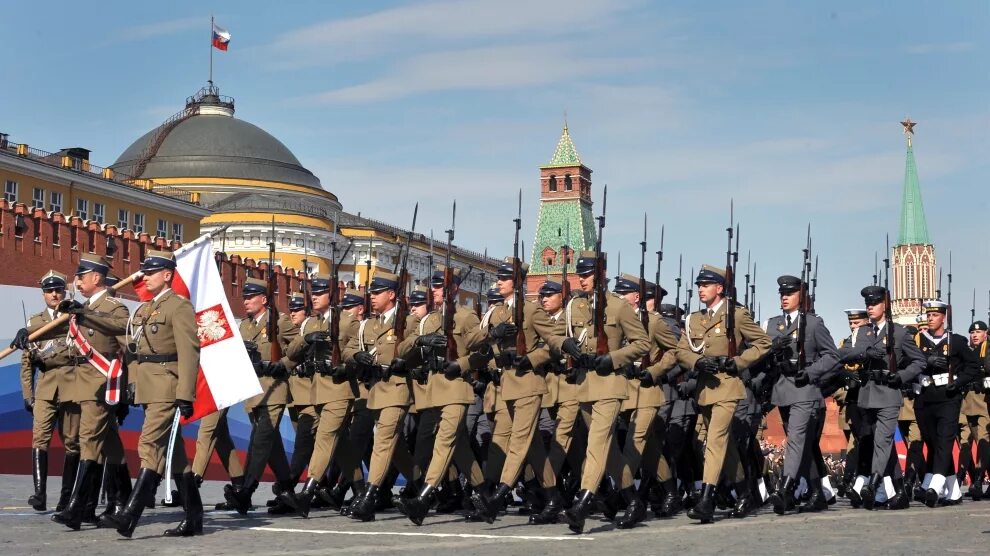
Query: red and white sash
x=110 y=369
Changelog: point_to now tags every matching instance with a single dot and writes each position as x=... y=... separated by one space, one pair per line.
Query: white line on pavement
x=401 y=534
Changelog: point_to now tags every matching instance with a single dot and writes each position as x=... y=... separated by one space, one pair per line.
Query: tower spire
x=565 y=155
x=913 y=227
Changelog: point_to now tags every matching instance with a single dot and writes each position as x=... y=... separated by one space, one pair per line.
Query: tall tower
x=913 y=257
x=564 y=217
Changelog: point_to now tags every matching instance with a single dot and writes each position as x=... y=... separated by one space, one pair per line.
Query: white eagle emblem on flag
x=212 y=326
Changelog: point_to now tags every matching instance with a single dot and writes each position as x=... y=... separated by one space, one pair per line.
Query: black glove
x=502 y=331
x=645 y=378
x=479 y=388
x=780 y=344
x=894 y=380
x=29 y=405
x=570 y=347
x=707 y=364
x=756 y=384
x=318 y=336
x=364 y=359
x=802 y=379
x=522 y=364
x=603 y=365
x=185 y=408
x=397 y=366
x=478 y=360
x=685 y=389
x=339 y=372
x=452 y=371
x=938 y=362
x=132 y=393
x=121 y=412
x=20 y=340
x=877 y=352
x=952 y=390
x=436 y=341
x=729 y=366
x=277 y=370
x=71 y=307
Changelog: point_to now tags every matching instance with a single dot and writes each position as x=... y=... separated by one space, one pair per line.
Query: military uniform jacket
x=53 y=359
x=964 y=366
x=536 y=324
x=705 y=335
x=560 y=387
x=821 y=357
x=379 y=340
x=975 y=403
x=663 y=342
x=324 y=389
x=441 y=390
x=910 y=363
x=627 y=342
x=164 y=326
x=274 y=391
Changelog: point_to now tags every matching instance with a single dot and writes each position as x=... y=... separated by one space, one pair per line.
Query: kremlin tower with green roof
x=913 y=259
x=565 y=224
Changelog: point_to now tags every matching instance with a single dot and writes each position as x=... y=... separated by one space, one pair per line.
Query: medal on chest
x=154 y=329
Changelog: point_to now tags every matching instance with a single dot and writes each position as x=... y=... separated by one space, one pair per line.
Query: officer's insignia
x=90 y=331
x=780 y=327
x=154 y=329
x=885 y=340
x=717 y=330
x=212 y=326
x=153 y=313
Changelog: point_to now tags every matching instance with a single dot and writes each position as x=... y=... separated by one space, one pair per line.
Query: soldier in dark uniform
x=974 y=419
x=678 y=416
x=880 y=396
x=951 y=368
x=40 y=389
x=845 y=391
x=796 y=392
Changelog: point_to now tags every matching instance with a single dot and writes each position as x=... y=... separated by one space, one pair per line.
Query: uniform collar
x=93 y=299
x=162 y=293
x=714 y=309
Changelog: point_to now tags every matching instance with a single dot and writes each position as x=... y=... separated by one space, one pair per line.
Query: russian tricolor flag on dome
x=221 y=38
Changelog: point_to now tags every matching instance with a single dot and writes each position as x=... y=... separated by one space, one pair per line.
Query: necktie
x=876 y=329
x=787 y=321
x=711 y=313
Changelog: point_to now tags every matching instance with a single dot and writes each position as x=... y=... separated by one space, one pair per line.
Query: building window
x=123 y=217
x=910 y=282
x=567 y=183
x=38 y=198
x=176 y=231
x=99 y=212
x=82 y=208
x=55 y=201
x=553 y=183
x=548 y=256
x=138 y=223
x=10 y=191
x=162 y=228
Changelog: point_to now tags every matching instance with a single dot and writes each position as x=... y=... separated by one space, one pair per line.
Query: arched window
x=565 y=255
x=553 y=183
x=548 y=256
x=567 y=183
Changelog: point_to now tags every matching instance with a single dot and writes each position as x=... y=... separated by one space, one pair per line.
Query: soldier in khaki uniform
x=449 y=394
x=92 y=331
x=974 y=420
x=335 y=386
x=41 y=396
x=602 y=386
x=704 y=348
x=164 y=340
x=266 y=409
x=846 y=398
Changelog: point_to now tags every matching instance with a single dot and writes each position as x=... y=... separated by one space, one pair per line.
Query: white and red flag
x=221 y=38
x=226 y=375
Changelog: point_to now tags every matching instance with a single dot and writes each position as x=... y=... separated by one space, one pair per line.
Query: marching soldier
x=602 y=387
x=951 y=367
x=51 y=360
x=266 y=409
x=796 y=392
x=302 y=413
x=974 y=420
x=164 y=342
x=880 y=396
x=704 y=348
x=846 y=392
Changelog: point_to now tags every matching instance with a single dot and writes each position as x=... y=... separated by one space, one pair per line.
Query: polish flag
x=226 y=375
x=221 y=38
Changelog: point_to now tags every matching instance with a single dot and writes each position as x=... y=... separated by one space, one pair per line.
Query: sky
x=790 y=109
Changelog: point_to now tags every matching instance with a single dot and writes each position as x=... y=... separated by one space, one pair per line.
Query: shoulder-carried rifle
x=402 y=300
x=335 y=353
x=601 y=289
x=888 y=314
x=430 y=306
x=449 y=306
x=689 y=293
x=644 y=316
x=814 y=287
x=730 y=291
x=367 y=284
x=482 y=288
x=272 y=324
x=518 y=297
x=803 y=302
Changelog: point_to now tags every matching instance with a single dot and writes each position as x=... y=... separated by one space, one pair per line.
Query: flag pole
x=211 y=52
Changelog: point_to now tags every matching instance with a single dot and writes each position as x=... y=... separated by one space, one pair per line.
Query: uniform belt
x=157 y=357
x=77 y=360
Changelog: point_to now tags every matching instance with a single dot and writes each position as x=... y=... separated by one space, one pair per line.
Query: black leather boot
x=704 y=509
x=303 y=501
x=611 y=500
x=635 y=509
x=39 y=474
x=902 y=499
x=359 y=488
x=531 y=493
x=579 y=511
x=225 y=506
x=110 y=485
x=449 y=499
x=783 y=498
x=72 y=515
x=551 y=510
x=89 y=511
x=869 y=491
x=118 y=487
x=362 y=507
x=193 y=506
x=671 y=504
x=488 y=507
x=334 y=497
x=280 y=507
x=69 y=471
x=239 y=497
x=417 y=508
x=816 y=501
x=144 y=488
x=744 y=501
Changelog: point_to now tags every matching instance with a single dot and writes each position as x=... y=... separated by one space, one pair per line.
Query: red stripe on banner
x=219 y=44
x=204 y=403
x=141 y=289
x=179 y=286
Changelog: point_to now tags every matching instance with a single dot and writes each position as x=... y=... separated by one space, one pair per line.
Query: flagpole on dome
x=210 y=81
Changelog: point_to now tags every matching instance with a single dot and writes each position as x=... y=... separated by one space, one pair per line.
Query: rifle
x=367 y=284
x=565 y=285
x=972 y=312
x=482 y=288
x=429 y=277
x=876 y=272
x=948 y=320
x=680 y=272
x=601 y=291
x=272 y=324
x=690 y=292
x=746 y=290
x=517 y=286
x=448 y=292
x=305 y=279
x=402 y=301
x=752 y=289
x=730 y=291
x=889 y=314
x=803 y=303
x=644 y=317
x=938 y=290
x=814 y=286
x=657 y=290
x=335 y=353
